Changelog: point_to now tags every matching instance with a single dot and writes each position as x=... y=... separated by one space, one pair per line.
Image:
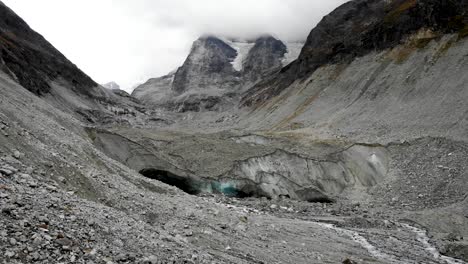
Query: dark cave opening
x=324 y=200
x=235 y=190
x=183 y=183
x=236 y=193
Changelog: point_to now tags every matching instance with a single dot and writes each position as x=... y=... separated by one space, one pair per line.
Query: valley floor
x=72 y=193
x=44 y=224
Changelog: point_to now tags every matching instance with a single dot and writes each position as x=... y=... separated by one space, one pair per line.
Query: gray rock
x=6 y=172
x=17 y=154
x=65 y=242
x=33 y=184
x=150 y=260
x=9 y=254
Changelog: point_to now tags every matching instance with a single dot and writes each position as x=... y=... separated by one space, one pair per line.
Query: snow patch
x=243 y=49
x=252 y=139
x=111 y=86
x=294 y=50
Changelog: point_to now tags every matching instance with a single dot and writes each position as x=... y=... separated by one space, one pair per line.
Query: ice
x=294 y=49
x=243 y=49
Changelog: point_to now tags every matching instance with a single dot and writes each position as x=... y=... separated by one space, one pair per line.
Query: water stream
x=425 y=241
x=421 y=236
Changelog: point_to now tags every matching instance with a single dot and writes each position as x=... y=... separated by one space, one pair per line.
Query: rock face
x=216 y=72
x=264 y=57
x=360 y=27
x=31 y=60
x=154 y=91
x=208 y=66
x=401 y=93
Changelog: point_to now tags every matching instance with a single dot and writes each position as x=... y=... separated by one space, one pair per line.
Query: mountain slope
x=360 y=27
x=155 y=90
x=27 y=57
x=30 y=60
x=264 y=57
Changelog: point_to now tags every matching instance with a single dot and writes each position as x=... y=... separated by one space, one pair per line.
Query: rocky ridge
x=28 y=58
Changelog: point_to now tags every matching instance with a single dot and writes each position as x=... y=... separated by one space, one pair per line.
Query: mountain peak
x=111 y=86
x=218 y=67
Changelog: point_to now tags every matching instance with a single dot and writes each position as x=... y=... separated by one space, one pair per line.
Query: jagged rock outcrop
x=360 y=27
x=31 y=60
x=216 y=72
x=207 y=67
x=264 y=57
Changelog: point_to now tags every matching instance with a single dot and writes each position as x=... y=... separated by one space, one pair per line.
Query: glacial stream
x=421 y=236
x=424 y=239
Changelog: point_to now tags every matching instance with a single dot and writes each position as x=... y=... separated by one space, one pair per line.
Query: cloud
x=131 y=41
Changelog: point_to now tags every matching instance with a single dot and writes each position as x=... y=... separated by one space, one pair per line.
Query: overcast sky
x=129 y=41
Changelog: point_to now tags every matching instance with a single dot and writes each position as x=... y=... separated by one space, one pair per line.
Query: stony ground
x=64 y=201
x=41 y=223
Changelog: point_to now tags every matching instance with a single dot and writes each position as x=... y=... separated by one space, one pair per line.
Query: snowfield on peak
x=243 y=49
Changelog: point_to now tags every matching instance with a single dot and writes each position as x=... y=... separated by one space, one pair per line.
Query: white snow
x=294 y=49
x=111 y=86
x=243 y=49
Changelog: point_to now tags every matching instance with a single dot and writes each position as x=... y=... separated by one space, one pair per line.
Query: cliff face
x=360 y=27
x=207 y=66
x=32 y=61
